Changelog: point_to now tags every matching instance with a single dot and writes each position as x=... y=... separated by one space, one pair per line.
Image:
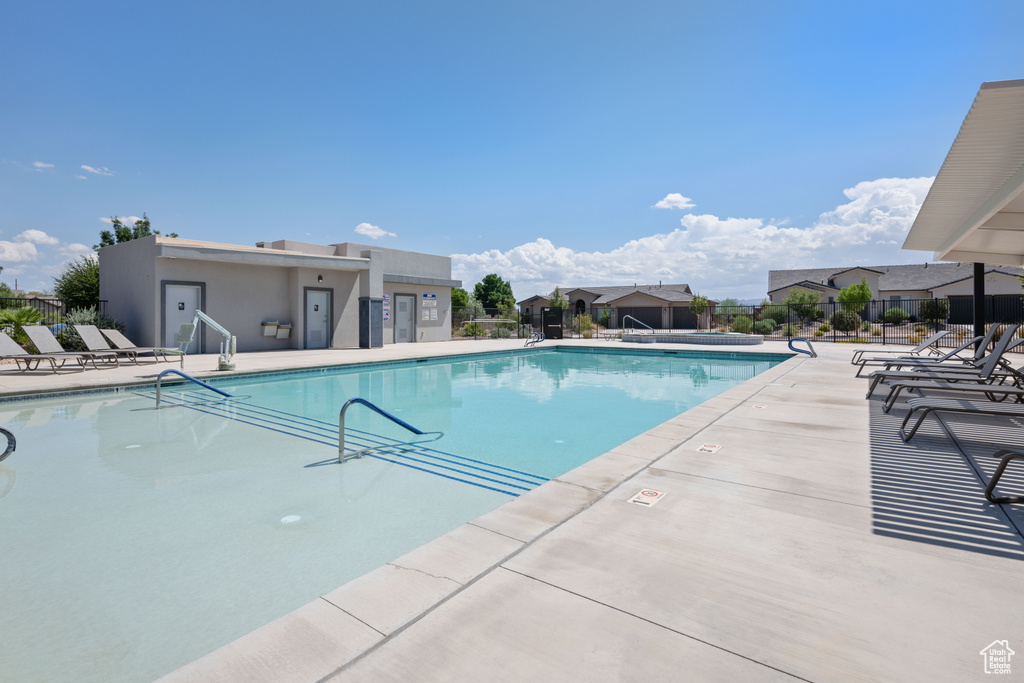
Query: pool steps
x=478 y=473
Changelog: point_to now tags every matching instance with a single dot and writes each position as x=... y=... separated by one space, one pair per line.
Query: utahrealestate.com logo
x=997 y=657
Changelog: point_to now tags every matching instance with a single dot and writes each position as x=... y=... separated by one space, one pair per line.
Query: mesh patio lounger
x=993 y=392
x=928 y=345
x=90 y=334
x=122 y=343
x=953 y=358
x=1006 y=456
x=47 y=344
x=985 y=374
x=9 y=349
x=923 y=407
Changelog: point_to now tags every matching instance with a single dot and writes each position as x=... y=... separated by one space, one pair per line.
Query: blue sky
x=532 y=139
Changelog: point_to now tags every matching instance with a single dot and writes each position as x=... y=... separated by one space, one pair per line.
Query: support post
x=979 y=302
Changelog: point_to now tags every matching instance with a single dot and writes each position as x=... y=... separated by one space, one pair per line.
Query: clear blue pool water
x=136 y=540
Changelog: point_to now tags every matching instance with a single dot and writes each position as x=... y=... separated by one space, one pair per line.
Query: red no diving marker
x=647 y=497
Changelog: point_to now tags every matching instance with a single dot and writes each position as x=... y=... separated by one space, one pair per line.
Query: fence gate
x=552 y=320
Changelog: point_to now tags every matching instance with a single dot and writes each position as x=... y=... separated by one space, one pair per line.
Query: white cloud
x=36 y=237
x=127 y=220
x=101 y=170
x=675 y=200
x=80 y=177
x=372 y=231
x=16 y=252
x=721 y=256
x=41 y=165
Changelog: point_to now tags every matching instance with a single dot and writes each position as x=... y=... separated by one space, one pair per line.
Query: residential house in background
x=906 y=283
x=660 y=306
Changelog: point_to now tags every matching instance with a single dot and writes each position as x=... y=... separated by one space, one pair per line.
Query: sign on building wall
x=387 y=307
x=430 y=306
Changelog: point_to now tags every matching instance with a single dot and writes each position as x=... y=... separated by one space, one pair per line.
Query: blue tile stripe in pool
x=504 y=480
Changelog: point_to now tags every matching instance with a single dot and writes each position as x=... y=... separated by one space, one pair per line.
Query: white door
x=404 y=319
x=318 y=313
x=180 y=305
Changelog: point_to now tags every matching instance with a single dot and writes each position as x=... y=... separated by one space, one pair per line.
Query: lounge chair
x=47 y=344
x=985 y=374
x=90 y=334
x=923 y=407
x=122 y=343
x=993 y=392
x=927 y=345
x=953 y=358
x=1006 y=456
x=11 y=350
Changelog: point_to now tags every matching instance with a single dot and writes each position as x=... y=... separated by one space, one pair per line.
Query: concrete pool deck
x=813 y=544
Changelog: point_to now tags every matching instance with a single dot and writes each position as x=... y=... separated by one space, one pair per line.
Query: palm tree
x=13 y=319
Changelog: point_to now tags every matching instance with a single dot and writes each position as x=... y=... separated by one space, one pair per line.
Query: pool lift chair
x=227 y=345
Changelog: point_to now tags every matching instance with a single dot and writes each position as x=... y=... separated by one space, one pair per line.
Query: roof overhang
x=974 y=211
x=259 y=257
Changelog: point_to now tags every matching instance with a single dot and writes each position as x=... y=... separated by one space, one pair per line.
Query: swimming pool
x=143 y=539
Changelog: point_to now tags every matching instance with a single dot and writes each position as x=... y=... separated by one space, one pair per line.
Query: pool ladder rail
x=535 y=338
x=11 y=445
x=343 y=456
x=812 y=353
x=190 y=378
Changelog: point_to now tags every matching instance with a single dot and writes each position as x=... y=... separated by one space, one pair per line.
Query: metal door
x=180 y=305
x=318 y=318
x=405 y=320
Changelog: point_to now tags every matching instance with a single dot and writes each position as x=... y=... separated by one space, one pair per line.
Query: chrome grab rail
x=380 y=411
x=172 y=371
x=632 y=318
x=11 y=445
x=812 y=353
x=539 y=338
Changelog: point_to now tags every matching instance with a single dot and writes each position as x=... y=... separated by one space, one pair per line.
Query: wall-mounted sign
x=387 y=306
x=430 y=301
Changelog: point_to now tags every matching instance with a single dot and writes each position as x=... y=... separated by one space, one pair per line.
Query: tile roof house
x=661 y=306
x=894 y=283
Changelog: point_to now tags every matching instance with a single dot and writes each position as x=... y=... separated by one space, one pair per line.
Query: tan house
x=661 y=307
x=309 y=295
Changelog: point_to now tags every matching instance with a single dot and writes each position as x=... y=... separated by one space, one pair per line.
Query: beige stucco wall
x=854 y=277
x=425 y=330
x=779 y=296
x=130 y=288
x=907 y=293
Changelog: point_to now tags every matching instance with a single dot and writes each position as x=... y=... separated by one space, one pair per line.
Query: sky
x=554 y=143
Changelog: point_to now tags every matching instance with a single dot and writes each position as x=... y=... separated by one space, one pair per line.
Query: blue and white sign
x=387 y=307
x=430 y=301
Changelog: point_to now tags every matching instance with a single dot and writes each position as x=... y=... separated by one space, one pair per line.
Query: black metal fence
x=53 y=310
x=469 y=322
x=906 y=321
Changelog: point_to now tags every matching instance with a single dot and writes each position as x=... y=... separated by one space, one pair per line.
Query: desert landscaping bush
x=742 y=324
x=895 y=316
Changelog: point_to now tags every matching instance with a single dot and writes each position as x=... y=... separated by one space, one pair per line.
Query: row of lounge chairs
x=100 y=351
x=982 y=382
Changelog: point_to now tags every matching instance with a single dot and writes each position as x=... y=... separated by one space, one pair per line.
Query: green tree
x=934 y=310
x=121 y=232
x=775 y=312
x=855 y=297
x=493 y=292
x=728 y=309
x=698 y=305
x=804 y=303
x=460 y=297
x=5 y=290
x=845 y=321
x=557 y=300
x=79 y=284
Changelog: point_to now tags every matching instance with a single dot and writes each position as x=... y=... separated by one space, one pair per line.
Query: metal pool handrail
x=812 y=353
x=160 y=377
x=383 y=413
x=11 y=445
x=539 y=338
x=632 y=318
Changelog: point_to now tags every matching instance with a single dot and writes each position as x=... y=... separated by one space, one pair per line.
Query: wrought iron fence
x=53 y=310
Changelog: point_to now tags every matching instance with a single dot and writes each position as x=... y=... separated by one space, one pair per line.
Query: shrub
x=473 y=330
x=876 y=332
x=920 y=329
x=779 y=314
x=70 y=340
x=584 y=323
x=13 y=319
x=895 y=316
x=845 y=321
x=790 y=330
x=742 y=324
x=603 y=320
x=765 y=327
x=914 y=339
x=501 y=333
x=819 y=333
x=824 y=327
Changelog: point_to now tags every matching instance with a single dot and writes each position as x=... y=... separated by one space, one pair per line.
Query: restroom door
x=318 y=318
x=405 y=321
x=181 y=301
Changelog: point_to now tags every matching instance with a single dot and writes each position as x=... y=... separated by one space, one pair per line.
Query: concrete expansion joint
x=420 y=571
x=345 y=611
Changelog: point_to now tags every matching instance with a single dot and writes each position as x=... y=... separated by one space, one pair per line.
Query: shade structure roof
x=974 y=211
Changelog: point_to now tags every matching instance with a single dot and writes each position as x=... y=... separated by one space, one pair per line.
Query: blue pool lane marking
x=325 y=433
